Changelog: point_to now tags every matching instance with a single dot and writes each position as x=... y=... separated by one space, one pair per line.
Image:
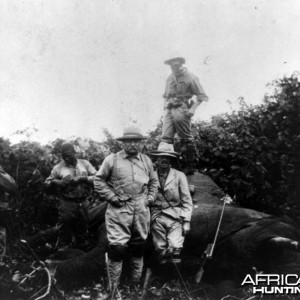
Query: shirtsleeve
x=198 y=90
x=186 y=199
x=91 y=171
x=153 y=182
x=53 y=175
x=102 y=176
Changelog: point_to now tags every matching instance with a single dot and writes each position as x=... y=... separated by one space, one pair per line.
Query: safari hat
x=131 y=132
x=178 y=58
x=165 y=149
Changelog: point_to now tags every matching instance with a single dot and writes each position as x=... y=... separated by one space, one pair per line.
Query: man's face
x=69 y=157
x=132 y=147
x=163 y=163
x=176 y=67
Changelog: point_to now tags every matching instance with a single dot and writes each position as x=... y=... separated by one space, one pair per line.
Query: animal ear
x=284 y=243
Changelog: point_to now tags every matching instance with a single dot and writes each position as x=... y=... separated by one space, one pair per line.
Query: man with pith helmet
x=128 y=183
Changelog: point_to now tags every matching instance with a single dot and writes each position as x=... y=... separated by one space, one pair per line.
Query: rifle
x=208 y=252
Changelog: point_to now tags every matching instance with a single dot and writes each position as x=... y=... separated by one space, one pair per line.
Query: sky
x=72 y=68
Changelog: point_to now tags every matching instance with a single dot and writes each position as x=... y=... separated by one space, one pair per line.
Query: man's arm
x=91 y=171
x=197 y=90
x=7 y=183
x=185 y=199
x=54 y=180
x=153 y=182
x=102 y=177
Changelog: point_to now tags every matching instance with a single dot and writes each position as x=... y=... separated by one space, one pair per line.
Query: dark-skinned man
x=73 y=179
x=127 y=181
x=179 y=108
x=172 y=209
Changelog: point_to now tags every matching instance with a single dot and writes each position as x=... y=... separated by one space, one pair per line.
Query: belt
x=177 y=102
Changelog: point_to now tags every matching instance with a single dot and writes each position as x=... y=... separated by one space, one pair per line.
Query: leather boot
x=190 y=159
x=176 y=256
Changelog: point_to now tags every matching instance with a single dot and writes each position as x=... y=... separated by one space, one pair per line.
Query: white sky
x=74 y=67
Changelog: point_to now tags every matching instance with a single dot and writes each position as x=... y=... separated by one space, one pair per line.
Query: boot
x=176 y=256
x=114 y=270
x=136 y=269
x=190 y=155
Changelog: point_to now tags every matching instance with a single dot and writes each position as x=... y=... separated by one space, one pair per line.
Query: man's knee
x=116 y=252
x=138 y=249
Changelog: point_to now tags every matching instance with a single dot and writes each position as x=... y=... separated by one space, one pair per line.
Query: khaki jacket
x=176 y=191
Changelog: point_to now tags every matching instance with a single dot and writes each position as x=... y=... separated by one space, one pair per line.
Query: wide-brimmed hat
x=165 y=149
x=178 y=58
x=131 y=132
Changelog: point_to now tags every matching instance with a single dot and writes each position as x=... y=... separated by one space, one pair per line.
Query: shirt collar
x=183 y=71
x=71 y=166
x=125 y=155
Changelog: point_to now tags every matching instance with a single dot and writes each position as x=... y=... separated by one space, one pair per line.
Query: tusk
x=285 y=243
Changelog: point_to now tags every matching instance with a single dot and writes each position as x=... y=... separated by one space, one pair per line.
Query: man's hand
x=115 y=201
x=190 y=112
x=186 y=227
x=58 y=183
x=149 y=201
x=79 y=179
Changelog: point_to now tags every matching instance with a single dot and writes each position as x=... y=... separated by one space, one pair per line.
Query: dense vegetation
x=252 y=153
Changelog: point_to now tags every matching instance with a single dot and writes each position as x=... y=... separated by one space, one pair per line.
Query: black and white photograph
x=149 y=150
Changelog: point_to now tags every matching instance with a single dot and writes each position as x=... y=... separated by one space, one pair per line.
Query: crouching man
x=172 y=209
x=128 y=183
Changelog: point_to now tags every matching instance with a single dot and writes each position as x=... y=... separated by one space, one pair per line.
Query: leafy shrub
x=253 y=153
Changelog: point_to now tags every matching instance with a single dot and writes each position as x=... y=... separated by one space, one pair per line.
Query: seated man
x=7 y=185
x=172 y=209
x=73 y=179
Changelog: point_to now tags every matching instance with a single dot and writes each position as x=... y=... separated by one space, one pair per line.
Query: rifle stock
x=208 y=253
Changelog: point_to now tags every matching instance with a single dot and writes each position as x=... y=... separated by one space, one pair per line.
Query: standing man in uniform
x=181 y=86
x=73 y=180
x=7 y=186
x=127 y=181
x=172 y=209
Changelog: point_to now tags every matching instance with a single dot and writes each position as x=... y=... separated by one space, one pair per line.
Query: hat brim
x=162 y=153
x=180 y=59
x=131 y=137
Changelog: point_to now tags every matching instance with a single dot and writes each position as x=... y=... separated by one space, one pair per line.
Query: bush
x=253 y=153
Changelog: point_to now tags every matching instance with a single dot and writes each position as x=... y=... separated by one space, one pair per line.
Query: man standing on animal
x=72 y=179
x=172 y=209
x=127 y=181
x=179 y=108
